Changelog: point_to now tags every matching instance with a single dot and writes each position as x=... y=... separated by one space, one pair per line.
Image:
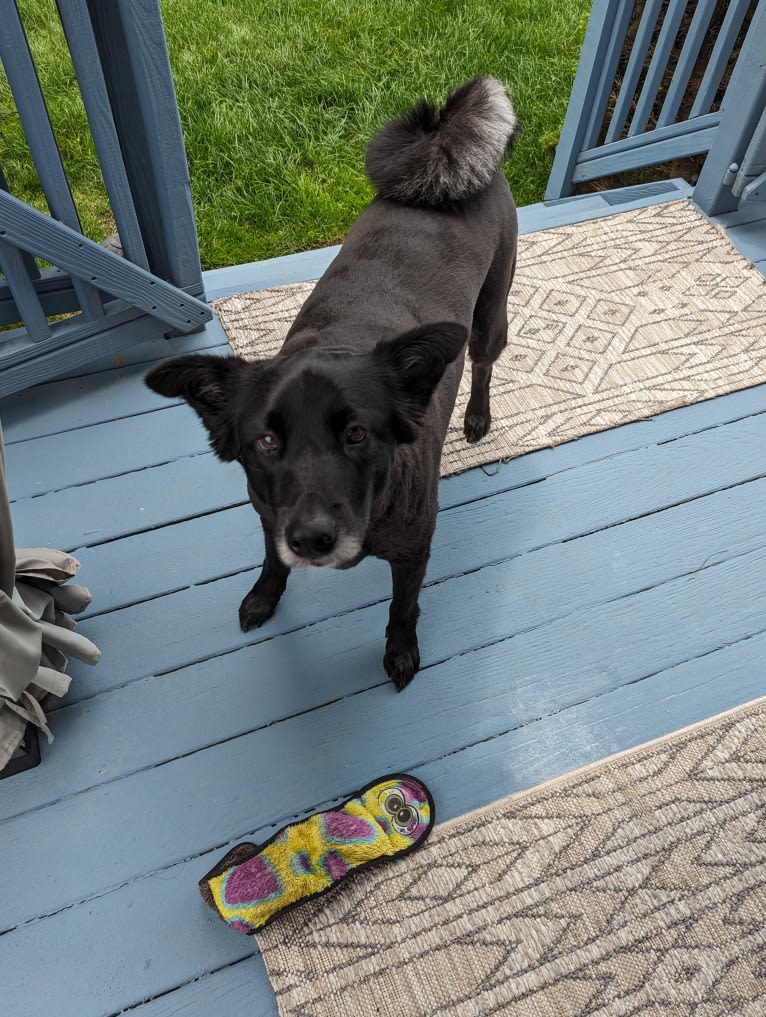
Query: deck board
x=229 y=541
x=115 y=448
x=580 y=600
x=513 y=762
x=516 y=677
x=199 y=621
x=129 y=729
x=167 y=937
x=195 y=489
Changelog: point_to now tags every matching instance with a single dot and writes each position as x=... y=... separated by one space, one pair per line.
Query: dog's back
x=422 y=250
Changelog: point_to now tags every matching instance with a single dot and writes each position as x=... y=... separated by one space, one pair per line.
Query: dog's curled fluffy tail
x=434 y=157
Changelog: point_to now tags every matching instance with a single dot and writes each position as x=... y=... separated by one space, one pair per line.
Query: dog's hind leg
x=489 y=337
x=261 y=602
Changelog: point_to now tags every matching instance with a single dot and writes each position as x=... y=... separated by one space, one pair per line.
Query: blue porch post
x=134 y=58
x=743 y=107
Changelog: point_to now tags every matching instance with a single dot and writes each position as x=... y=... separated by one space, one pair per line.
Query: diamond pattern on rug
x=611 y=320
x=635 y=886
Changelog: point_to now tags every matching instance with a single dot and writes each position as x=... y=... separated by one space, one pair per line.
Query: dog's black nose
x=312 y=539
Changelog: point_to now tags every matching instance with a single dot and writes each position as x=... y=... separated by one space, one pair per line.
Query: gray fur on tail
x=434 y=157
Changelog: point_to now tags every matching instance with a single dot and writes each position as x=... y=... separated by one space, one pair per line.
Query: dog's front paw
x=401 y=663
x=475 y=427
x=256 y=609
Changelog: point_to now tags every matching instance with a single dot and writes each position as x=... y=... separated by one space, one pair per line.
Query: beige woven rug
x=611 y=320
x=634 y=886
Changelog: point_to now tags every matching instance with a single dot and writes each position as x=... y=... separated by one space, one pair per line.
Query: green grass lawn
x=278 y=101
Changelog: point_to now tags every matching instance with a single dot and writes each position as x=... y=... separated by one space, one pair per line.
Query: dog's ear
x=418 y=360
x=208 y=384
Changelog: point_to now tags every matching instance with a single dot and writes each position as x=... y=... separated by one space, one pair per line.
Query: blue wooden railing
x=120 y=58
x=620 y=123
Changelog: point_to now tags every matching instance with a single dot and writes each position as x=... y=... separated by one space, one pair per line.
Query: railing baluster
x=29 y=261
x=633 y=70
x=657 y=67
x=687 y=59
x=23 y=291
x=20 y=269
x=719 y=58
x=607 y=71
x=33 y=113
x=82 y=47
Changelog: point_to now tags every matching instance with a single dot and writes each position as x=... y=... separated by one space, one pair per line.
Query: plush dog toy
x=252 y=884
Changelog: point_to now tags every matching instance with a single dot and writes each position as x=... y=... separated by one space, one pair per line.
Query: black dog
x=341 y=434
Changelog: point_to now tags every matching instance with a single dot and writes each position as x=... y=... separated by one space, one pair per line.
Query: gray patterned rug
x=611 y=320
x=634 y=886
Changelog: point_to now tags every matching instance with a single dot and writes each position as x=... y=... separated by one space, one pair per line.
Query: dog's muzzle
x=317 y=542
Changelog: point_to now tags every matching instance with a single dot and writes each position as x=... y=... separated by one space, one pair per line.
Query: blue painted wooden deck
x=580 y=600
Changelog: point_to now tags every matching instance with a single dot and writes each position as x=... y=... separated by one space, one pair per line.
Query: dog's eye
x=268 y=442
x=355 y=434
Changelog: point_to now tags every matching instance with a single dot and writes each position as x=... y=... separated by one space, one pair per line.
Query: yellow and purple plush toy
x=254 y=883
